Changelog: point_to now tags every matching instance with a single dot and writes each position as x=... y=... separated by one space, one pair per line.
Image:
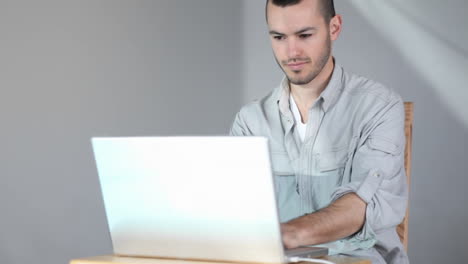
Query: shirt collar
x=329 y=96
x=283 y=97
x=334 y=88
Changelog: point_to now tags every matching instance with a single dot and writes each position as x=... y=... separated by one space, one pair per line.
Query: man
x=336 y=140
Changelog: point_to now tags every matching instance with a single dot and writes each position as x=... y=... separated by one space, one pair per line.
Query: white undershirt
x=301 y=127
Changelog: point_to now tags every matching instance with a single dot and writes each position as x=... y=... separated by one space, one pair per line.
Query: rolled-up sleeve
x=377 y=174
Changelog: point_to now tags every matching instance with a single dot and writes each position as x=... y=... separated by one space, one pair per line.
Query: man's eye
x=304 y=36
x=278 y=37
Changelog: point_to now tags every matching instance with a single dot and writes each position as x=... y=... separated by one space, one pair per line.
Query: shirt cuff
x=365 y=238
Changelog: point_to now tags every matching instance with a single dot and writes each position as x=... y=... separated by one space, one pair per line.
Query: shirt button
x=377 y=175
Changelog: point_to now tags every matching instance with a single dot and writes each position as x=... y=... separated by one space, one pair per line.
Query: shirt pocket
x=328 y=174
x=331 y=161
x=281 y=164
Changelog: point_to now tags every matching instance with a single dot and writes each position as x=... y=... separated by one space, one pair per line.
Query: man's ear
x=335 y=27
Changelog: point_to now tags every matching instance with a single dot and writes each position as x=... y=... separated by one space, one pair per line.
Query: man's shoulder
x=256 y=117
x=265 y=103
x=362 y=88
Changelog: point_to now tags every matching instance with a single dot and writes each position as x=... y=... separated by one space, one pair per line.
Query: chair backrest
x=402 y=228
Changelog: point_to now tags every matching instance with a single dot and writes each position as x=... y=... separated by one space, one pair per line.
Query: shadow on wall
x=441 y=63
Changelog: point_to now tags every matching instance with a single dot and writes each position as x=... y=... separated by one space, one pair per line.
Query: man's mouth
x=295 y=66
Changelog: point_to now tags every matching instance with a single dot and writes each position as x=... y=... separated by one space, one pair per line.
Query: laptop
x=197 y=198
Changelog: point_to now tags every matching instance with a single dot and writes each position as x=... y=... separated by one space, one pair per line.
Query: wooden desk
x=127 y=260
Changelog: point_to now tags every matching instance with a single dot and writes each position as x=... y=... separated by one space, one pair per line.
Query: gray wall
x=70 y=70
x=419 y=48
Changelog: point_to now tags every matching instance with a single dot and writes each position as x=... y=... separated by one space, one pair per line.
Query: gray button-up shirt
x=354 y=143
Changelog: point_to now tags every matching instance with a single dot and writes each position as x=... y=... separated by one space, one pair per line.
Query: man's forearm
x=340 y=219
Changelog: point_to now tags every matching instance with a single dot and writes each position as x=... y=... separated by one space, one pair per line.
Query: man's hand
x=340 y=219
x=290 y=236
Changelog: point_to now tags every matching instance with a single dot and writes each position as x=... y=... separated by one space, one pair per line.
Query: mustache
x=295 y=60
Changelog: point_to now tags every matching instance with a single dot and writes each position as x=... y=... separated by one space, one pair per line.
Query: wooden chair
x=402 y=228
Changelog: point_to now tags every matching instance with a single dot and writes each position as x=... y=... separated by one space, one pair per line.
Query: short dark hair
x=327 y=7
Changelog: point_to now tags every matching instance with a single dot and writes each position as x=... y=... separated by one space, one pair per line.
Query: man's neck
x=305 y=95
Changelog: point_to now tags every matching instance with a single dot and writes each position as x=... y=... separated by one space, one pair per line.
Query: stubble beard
x=319 y=64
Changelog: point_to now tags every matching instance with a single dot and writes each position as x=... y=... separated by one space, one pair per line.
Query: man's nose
x=293 y=49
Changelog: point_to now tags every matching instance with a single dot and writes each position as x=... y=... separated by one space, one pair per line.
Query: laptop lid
x=209 y=198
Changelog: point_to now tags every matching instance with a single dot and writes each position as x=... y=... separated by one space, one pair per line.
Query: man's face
x=300 y=39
